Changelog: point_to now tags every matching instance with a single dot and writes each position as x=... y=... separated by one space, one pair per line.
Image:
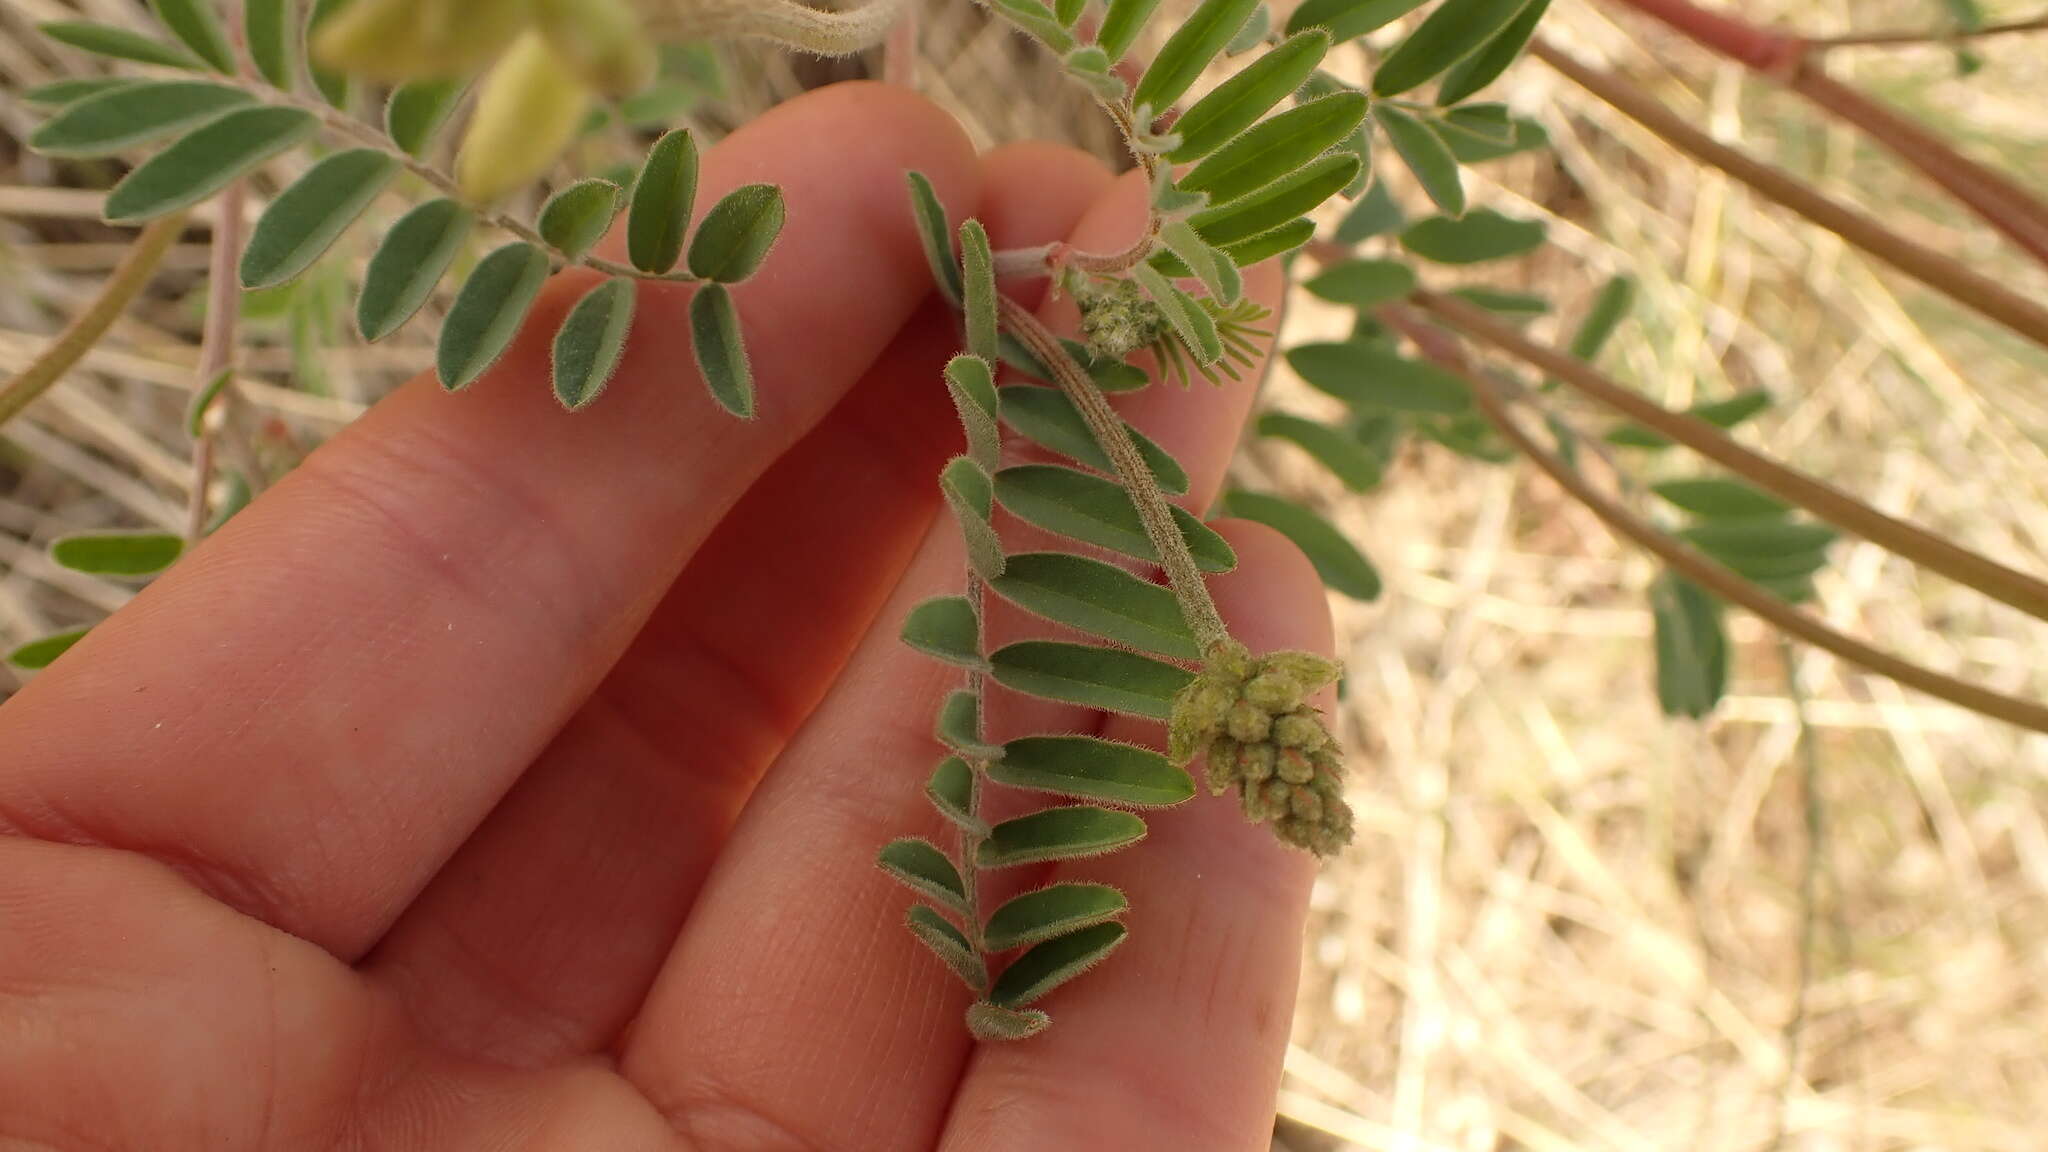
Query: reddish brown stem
x=1936 y=269
x=1999 y=201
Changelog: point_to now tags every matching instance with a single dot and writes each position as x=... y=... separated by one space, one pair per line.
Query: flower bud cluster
x=1252 y=718
x=1117 y=318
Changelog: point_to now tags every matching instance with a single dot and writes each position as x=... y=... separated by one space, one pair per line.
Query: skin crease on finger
x=211 y=1029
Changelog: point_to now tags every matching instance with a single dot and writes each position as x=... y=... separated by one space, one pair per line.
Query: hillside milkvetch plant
x=1237 y=175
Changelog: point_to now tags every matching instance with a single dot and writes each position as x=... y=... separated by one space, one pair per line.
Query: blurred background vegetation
x=1569 y=922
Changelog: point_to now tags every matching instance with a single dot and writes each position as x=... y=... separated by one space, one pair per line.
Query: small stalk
x=129 y=277
x=216 y=343
x=1183 y=576
x=2010 y=586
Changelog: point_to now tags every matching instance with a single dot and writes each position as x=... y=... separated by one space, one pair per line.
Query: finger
x=795 y=952
x=1177 y=1041
x=310 y=713
x=544 y=932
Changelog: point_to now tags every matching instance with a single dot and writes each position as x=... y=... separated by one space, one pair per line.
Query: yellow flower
x=550 y=56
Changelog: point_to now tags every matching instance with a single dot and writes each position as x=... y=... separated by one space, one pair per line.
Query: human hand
x=510 y=779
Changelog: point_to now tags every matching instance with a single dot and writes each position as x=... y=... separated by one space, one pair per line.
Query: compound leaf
x=130 y=114
x=205 y=160
x=1239 y=101
x=1274 y=148
x=1206 y=31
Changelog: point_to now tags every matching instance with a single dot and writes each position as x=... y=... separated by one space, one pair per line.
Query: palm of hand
x=506 y=779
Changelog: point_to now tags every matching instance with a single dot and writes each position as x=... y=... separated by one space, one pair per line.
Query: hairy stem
x=1724 y=583
x=1932 y=268
x=2018 y=589
x=1182 y=573
x=216 y=342
x=970 y=840
x=136 y=267
x=1995 y=199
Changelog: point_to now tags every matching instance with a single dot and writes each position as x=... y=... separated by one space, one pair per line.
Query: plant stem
x=2018 y=589
x=1724 y=583
x=1995 y=199
x=216 y=342
x=970 y=840
x=129 y=277
x=1935 y=269
x=1943 y=38
x=1183 y=576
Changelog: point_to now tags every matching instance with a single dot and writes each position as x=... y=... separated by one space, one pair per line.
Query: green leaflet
x=1368 y=376
x=1454 y=31
x=1489 y=122
x=1036 y=21
x=1723 y=414
x=64 y=93
x=1054 y=910
x=590 y=341
x=1349 y=19
x=1515 y=306
x=1046 y=417
x=1109 y=375
x=1609 y=309
x=1068 y=11
x=1188 y=51
x=1363 y=284
x=1352 y=462
x=1099 y=598
x=721 y=350
x=945 y=628
x=986 y=1021
x=1106 y=678
x=119 y=43
x=1191 y=323
x=1095 y=510
x=737 y=234
x=1053 y=963
x=1735 y=541
x=41 y=653
x=1070 y=833
x=1212 y=266
x=663 y=199
x=1426 y=155
x=1253 y=34
x=951 y=791
x=1274 y=148
x=333 y=86
x=487 y=312
x=409 y=263
x=308 y=217
x=1691 y=644
x=959 y=727
x=1091 y=66
x=1251 y=93
x=937 y=236
x=1475 y=238
x=130 y=114
x=1122 y=20
x=416 y=111
x=1277 y=203
x=118 y=553
x=1341 y=566
x=1266 y=245
x=1375 y=214
x=1474 y=148
x=978 y=270
x=949 y=944
x=973 y=389
x=206 y=160
x=971 y=495
x=1718 y=499
x=266 y=25
x=924 y=868
x=1483 y=67
x=195 y=26
x=578 y=216
x=1092 y=769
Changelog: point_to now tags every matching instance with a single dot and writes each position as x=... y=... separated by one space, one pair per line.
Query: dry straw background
x=1568 y=922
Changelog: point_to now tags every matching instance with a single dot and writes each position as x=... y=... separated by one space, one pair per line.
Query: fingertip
x=1274 y=598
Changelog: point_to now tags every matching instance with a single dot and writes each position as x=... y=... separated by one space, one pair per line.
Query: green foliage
x=951 y=790
x=1369 y=376
x=196 y=27
x=971 y=494
x=1095 y=677
x=974 y=398
x=1341 y=565
x=721 y=350
x=936 y=235
x=1724 y=414
x=1691 y=645
x=416 y=111
x=1205 y=33
x=1054 y=910
x=487 y=313
x=1363 y=283
x=945 y=628
x=1349 y=19
x=1073 y=832
x=1474 y=238
x=123 y=554
x=118 y=43
x=923 y=867
x=113 y=119
x=978 y=284
x=949 y=944
x=206 y=160
x=1468 y=76
x=590 y=341
x=41 y=653
x=1276 y=204
x=271 y=40
x=737 y=234
x=959 y=727
x=1095 y=510
x=1046 y=417
x=311 y=215
x=1122 y=20
x=1099 y=598
x=1426 y=154
x=1092 y=769
x=408 y=264
x=1276 y=147
x=577 y=217
x=1037 y=21
x=1053 y=963
x=663 y=198
x=64 y=93
x=1239 y=101
x=1454 y=30
x=1350 y=461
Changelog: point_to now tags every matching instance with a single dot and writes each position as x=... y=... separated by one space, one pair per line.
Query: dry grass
x=1569 y=923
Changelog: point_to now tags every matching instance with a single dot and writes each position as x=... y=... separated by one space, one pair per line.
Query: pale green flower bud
x=1302 y=729
x=1247 y=722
